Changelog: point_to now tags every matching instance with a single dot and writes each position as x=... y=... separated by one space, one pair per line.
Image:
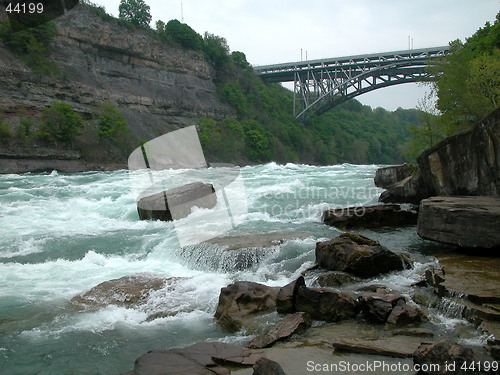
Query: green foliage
x=5 y=134
x=232 y=94
x=240 y=60
x=468 y=88
x=216 y=51
x=137 y=12
x=111 y=124
x=224 y=141
x=60 y=124
x=175 y=32
x=31 y=46
x=25 y=131
x=257 y=142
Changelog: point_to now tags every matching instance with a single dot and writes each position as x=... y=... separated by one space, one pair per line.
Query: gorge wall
x=158 y=88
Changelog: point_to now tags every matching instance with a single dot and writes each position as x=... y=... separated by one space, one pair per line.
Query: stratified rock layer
x=464 y=221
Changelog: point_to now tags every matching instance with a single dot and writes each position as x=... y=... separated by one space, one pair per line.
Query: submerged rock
x=125 y=291
x=357 y=255
x=241 y=300
x=463 y=221
x=370 y=217
x=176 y=203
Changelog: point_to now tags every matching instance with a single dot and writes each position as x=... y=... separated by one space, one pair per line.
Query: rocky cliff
x=157 y=87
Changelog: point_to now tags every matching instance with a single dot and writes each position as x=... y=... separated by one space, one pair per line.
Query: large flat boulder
x=465 y=221
x=176 y=203
x=370 y=216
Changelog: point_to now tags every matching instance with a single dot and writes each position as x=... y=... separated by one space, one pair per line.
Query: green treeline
x=468 y=88
x=265 y=129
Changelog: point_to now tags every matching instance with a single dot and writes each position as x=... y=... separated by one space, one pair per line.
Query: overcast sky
x=275 y=31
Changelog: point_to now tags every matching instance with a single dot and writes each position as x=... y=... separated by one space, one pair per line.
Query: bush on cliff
x=468 y=88
x=5 y=134
x=31 y=46
x=60 y=124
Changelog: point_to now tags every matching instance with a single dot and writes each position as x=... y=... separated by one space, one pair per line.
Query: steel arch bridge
x=322 y=84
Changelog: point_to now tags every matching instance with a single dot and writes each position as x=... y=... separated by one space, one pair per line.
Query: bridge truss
x=322 y=84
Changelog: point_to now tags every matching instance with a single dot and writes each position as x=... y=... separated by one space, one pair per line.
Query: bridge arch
x=320 y=85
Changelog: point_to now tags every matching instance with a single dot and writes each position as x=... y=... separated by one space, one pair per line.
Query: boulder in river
x=376 y=307
x=370 y=217
x=385 y=177
x=285 y=300
x=326 y=304
x=466 y=221
x=412 y=189
x=243 y=299
x=357 y=255
x=176 y=203
x=125 y=291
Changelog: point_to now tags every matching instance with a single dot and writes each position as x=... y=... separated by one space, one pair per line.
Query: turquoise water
x=62 y=234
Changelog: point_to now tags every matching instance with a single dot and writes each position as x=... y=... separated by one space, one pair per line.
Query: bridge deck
x=285 y=72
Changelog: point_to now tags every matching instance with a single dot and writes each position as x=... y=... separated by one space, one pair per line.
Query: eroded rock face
x=463 y=221
x=466 y=163
x=158 y=88
x=357 y=255
x=243 y=299
x=285 y=300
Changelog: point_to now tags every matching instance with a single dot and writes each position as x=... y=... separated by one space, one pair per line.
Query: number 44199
x=25 y=8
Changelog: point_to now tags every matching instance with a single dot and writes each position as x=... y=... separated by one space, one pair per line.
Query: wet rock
x=403 y=315
x=125 y=291
x=205 y=358
x=291 y=324
x=243 y=299
x=266 y=366
x=376 y=308
x=467 y=163
x=285 y=300
x=326 y=304
x=470 y=222
x=357 y=255
x=374 y=347
x=413 y=332
x=412 y=190
x=336 y=278
x=370 y=217
x=385 y=177
x=448 y=352
x=176 y=203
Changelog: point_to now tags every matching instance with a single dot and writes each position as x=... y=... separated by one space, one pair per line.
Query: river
x=62 y=234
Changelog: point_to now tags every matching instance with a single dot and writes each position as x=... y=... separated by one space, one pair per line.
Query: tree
x=137 y=12
x=111 y=123
x=181 y=33
x=59 y=123
x=468 y=77
x=429 y=130
x=216 y=50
